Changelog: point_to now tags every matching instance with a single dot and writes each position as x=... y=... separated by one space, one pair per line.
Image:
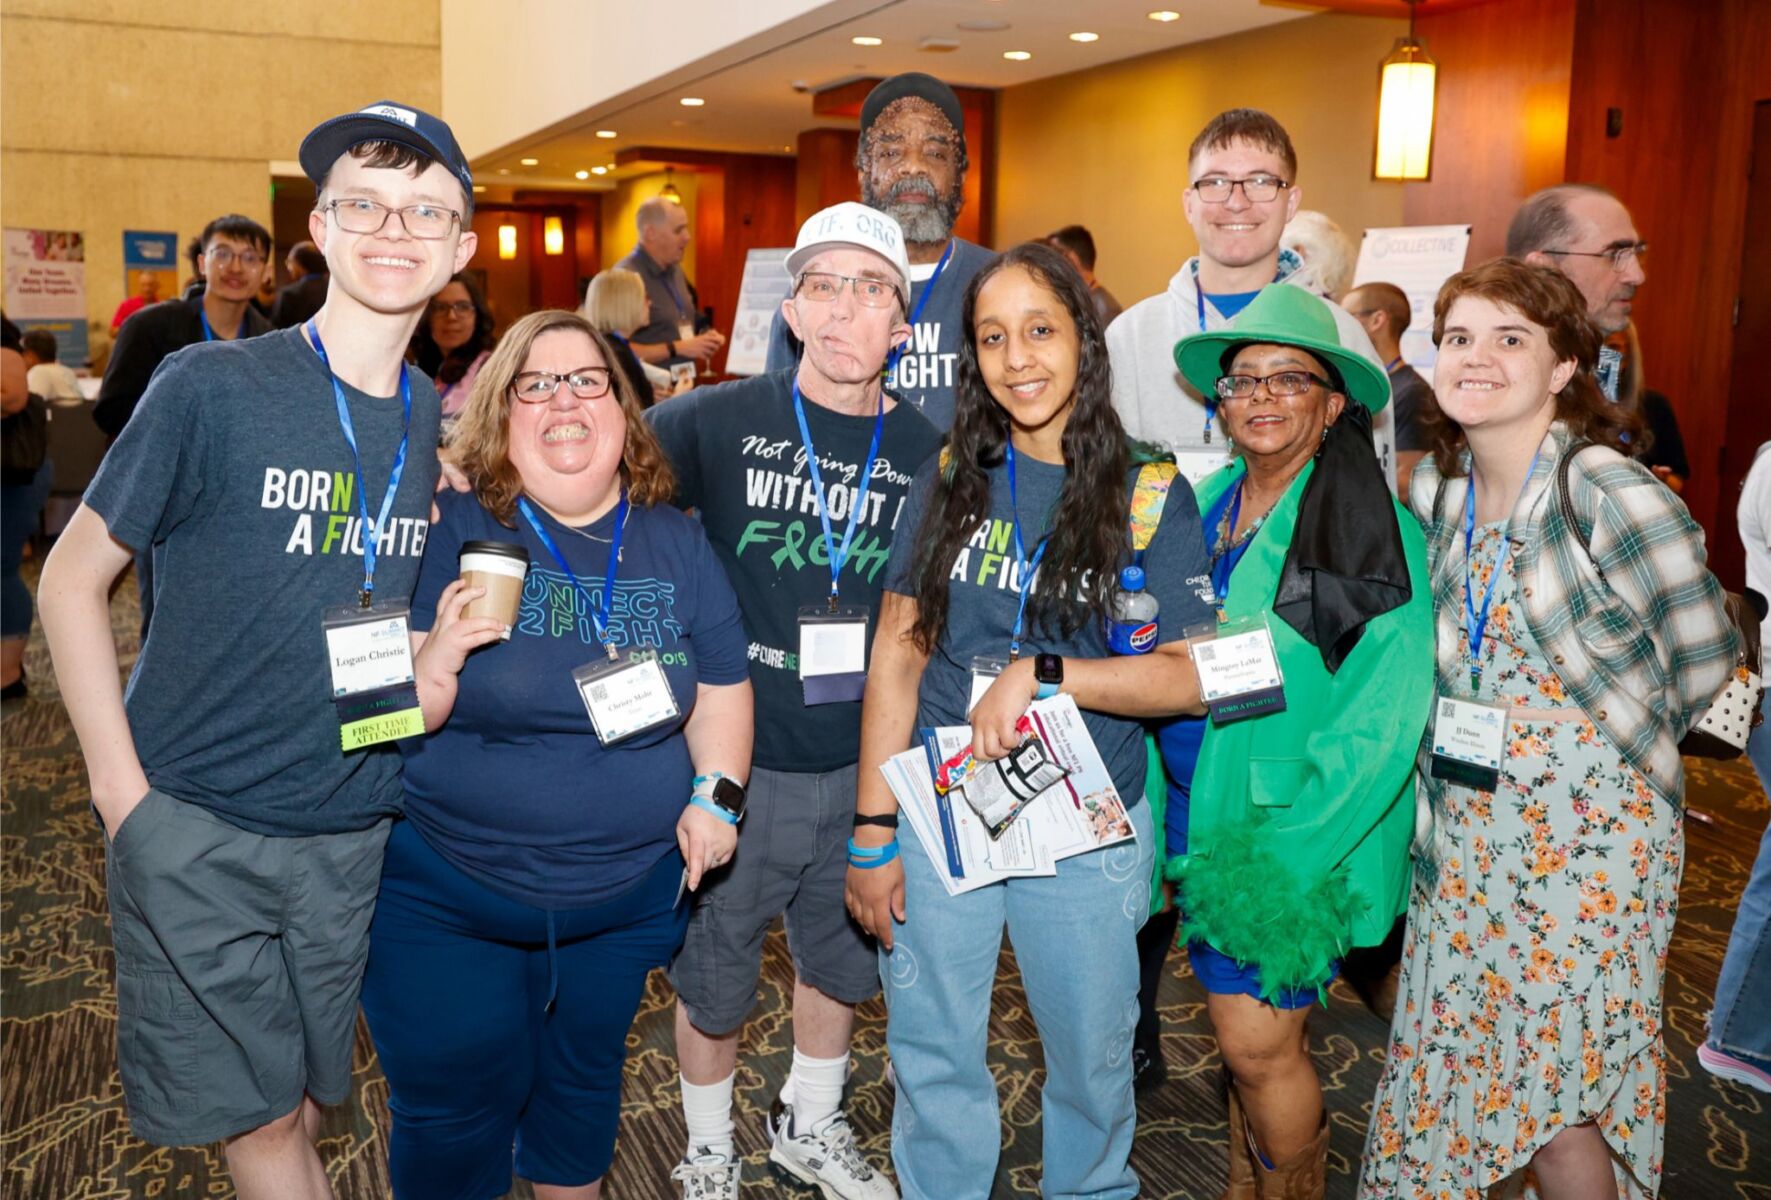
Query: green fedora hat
x=1285 y=315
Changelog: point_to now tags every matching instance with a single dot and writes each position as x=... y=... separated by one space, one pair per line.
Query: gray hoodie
x=1158 y=406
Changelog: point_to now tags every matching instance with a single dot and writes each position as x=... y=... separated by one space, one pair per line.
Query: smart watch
x=1048 y=672
x=726 y=794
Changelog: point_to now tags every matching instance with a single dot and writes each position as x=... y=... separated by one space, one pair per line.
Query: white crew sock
x=708 y=1112
x=815 y=1087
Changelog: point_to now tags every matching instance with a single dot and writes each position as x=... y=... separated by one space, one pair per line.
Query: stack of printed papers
x=1080 y=813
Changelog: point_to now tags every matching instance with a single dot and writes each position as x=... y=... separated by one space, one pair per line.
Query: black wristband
x=884 y=820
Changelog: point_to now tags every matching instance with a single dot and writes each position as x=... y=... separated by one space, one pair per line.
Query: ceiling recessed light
x=1085 y=37
x=581 y=175
x=504 y=170
x=691 y=102
x=867 y=41
x=1017 y=55
x=606 y=133
x=1164 y=15
x=531 y=162
x=599 y=170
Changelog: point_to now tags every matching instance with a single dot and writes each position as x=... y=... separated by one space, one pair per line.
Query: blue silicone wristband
x=706 y=805
x=866 y=862
x=868 y=851
x=1046 y=691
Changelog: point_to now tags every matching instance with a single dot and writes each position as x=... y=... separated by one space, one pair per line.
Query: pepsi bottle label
x=1124 y=637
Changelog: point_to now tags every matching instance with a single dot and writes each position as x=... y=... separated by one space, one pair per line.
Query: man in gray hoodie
x=1243 y=171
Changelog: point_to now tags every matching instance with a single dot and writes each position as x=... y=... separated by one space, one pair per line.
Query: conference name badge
x=1469 y=740
x=1239 y=674
x=985 y=669
x=625 y=698
x=374 y=688
x=832 y=653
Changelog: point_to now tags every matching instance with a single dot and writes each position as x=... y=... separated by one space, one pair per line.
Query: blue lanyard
x=837 y=555
x=1390 y=366
x=1211 y=398
x=209 y=333
x=1226 y=558
x=599 y=613
x=676 y=298
x=928 y=289
x=1476 y=620
x=1027 y=566
x=371 y=532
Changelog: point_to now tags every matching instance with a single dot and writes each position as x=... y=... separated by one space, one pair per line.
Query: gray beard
x=923 y=223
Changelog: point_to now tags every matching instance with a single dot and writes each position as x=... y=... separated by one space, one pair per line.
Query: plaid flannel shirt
x=1635 y=631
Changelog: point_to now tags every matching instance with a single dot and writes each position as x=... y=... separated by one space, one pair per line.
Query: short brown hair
x=1249 y=125
x=1547 y=298
x=480 y=441
x=1388 y=299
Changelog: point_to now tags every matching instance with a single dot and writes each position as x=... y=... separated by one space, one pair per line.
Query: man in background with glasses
x=247 y=778
x=800 y=475
x=235 y=249
x=1585 y=232
x=1243 y=191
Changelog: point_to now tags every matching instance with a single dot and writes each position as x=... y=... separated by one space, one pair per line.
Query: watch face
x=729 y=796
x=1048 y=668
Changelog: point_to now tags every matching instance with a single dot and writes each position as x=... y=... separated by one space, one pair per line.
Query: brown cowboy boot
x=1300 y=1177
x=1242 y=1182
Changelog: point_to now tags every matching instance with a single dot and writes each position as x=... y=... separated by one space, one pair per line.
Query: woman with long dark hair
x=1579 y=636
x=1022 y=528
x=454 y=340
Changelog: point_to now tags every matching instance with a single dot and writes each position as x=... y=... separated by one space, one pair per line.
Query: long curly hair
x=479 y=442
x=448 y=367
x=1547 y=298
x=1088 y=529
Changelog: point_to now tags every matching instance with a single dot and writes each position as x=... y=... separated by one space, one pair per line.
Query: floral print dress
x=1530 y=998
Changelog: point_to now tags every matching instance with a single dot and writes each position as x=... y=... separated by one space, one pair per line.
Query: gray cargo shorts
x=792 y=858
x=239 y=961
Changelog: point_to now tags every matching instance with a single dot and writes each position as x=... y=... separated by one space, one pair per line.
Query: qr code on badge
x=1208 y=654
x=599 y=692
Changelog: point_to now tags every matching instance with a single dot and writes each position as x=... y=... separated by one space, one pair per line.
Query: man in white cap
x=800 y=475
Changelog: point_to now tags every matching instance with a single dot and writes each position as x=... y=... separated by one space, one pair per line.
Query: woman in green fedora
x=1291 y=805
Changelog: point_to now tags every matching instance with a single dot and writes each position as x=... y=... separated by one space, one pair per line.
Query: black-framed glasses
x=1618 y=256
x=1257 y=189
x=452 y=308
x=538 y=387
x=825 y=287
x=221 y=256
x=357 y=214
x=1280 y=384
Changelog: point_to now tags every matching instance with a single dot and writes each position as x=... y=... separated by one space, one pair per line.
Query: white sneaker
x=709 y=1176
x=826 y=1157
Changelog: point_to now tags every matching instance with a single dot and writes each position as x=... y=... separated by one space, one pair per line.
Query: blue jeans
x=19 y=507
x=1740 y=1022
x=1075 y=939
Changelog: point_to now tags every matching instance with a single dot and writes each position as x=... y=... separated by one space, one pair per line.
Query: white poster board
x=46 y=286
x=765 y=285
x=1418 y=259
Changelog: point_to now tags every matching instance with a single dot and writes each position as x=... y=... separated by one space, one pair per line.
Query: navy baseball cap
x=383 y=122
x=915 y=85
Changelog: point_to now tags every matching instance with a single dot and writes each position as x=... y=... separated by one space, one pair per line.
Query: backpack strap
x=1148 y=497
x=1564 y=496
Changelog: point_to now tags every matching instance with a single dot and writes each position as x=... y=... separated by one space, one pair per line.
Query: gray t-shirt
x=235 y=468
x=928 y=370
x=983 y=598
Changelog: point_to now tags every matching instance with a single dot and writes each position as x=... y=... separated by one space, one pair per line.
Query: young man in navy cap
x=246 y=778
x=911 y=164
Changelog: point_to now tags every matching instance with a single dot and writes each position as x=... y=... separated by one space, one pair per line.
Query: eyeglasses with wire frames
x=1257 y=189
x=358 y=214
x=451 y=308
x=1619 y=256
x=221 y=256
x=1280 y=384
x=824 y=287
x=538 y=387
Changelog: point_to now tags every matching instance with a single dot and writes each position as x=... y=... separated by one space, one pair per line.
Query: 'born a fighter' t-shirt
x=235 y=468
x=739 y=459
x=928 y=370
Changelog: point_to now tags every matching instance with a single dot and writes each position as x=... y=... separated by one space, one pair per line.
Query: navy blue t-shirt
x=515 y=789
x=983 y=597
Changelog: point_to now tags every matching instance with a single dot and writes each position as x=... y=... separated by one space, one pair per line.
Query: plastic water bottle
x=1132 y=627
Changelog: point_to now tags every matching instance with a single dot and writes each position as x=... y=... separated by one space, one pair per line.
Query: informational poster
x=46 y=287
x=154 y=254
x=765 y=285
x=1418 y=259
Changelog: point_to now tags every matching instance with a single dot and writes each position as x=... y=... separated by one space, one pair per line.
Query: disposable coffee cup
x=499 y=567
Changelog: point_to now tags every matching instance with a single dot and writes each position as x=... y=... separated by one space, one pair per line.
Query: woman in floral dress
x=1590 y=634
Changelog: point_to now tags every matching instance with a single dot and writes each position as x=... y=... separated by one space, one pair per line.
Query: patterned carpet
x=64 y=1136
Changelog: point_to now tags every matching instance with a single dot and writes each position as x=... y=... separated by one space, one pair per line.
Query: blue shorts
x=1222 y=975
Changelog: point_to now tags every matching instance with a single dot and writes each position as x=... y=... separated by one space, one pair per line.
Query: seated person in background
x=1077 y=244
x=616 y=304
x=48 y=378
x=454 y=340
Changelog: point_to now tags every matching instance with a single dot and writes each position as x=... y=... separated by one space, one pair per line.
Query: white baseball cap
x=853 y=224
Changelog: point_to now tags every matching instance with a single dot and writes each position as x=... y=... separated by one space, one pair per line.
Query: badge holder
x=625 y=698
x=985 y=669
x=1469 y=741
x=832 y=653
x=1239 y=675
x=374 y=688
